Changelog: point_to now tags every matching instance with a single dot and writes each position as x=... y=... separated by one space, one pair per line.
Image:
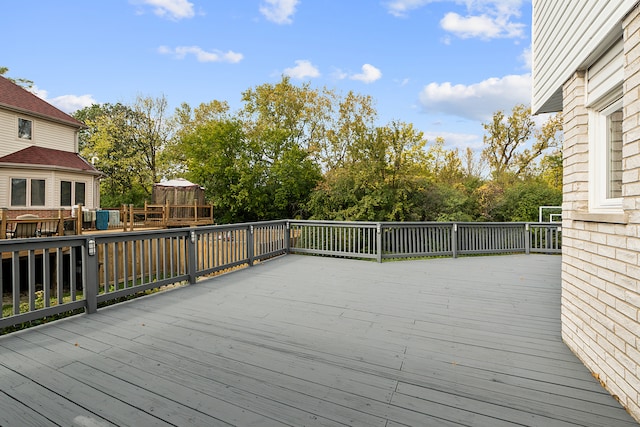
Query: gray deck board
x=313 y=341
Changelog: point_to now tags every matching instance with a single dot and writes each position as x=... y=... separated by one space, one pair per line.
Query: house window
x=25 y=128
x=75 y=191
x=18 y=192
x=614 y=154
x=65 y=193
x=37 y=192
x=80 y=193
x=27 y=192
x=605 y=161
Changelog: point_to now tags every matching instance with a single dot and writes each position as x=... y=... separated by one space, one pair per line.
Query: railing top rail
x=8 y=245
x=121 y=236
x=242 y=225
x=418 y=223
x=364 y=224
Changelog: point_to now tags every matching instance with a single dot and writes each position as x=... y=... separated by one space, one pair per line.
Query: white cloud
x=172 y=9
x=279 y=11
x=67 y=103
x=527 y=58
x=485 y=19
x=201 y=55
x=400 y=8
x=369 y=74
x=477 y=101
x=338 y=74
x=302 y=70
x=481 y=26
x=71 y=103
x=470 y=26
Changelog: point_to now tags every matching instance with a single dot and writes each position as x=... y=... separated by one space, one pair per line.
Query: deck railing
x=422 y=239
x=46 y=277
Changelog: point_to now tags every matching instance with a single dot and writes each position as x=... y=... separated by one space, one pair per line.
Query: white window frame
x=28 y=189
x=30 y=136
x=73 y=193
x=12 y=193
x=599 y=202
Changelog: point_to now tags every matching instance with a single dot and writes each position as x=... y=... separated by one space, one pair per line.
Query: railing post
x=454 y=240
x=3 y=223
x=250 y=248
x=191 y=254
x=60 y=230
x=287 y=238
x=527 y=239
x=123 y=217
x=90 y=262
x=379 y=242
x=79 y=218
x=131 y=217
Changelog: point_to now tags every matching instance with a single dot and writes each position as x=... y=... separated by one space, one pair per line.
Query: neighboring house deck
x=304 y=340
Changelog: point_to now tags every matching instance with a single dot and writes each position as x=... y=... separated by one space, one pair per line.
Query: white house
x=40 y=169
x=586 y=63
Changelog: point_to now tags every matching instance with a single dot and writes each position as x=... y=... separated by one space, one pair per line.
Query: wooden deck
x=305 y=341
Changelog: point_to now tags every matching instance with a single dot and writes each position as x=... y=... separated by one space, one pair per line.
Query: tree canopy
x=295 y=151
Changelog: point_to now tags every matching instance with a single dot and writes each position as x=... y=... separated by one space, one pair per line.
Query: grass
x=7 y=304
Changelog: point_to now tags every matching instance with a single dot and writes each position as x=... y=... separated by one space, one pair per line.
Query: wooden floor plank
x=64 y=387
x=15 y=413
x=315 y=341
x=37 y=398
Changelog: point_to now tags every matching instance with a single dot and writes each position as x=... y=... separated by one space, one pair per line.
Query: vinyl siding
x=9 y=141
x=605 y=74
x=45 y=134
x=52 y=186
x=74 y=177
x=570 y=35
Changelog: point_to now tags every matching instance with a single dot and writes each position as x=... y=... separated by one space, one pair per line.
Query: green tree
x=298 y=114
x=152 y=133
x=513 y=144
x=445 y=202
x=379 y=178
x=184 y=122
x=110 y=141
x=248 y=179
x=128 y=143
x=217 y=157
x=352 y=117
x=526 y=166
x=521 y=201
x=551 y=169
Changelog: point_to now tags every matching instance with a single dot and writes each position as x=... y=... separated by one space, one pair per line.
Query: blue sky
x=443 y=65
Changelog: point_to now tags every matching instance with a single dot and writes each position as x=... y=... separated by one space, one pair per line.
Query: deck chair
x=24 y=229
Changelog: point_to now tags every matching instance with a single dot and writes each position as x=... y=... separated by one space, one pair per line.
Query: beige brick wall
x=600 y=273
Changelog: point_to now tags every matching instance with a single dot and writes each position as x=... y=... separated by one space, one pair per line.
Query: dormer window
x=25 y=128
